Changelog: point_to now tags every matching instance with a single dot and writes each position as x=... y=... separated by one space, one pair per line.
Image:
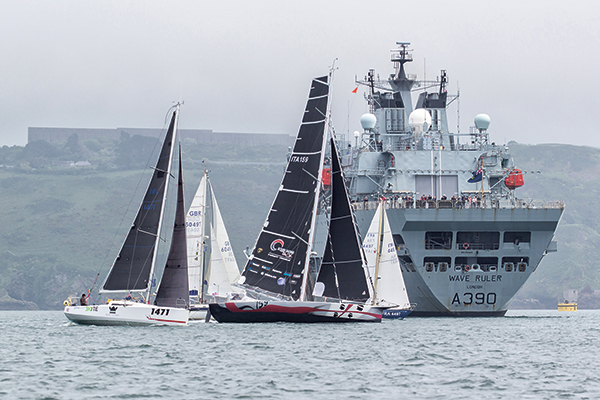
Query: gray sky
x=246 y=66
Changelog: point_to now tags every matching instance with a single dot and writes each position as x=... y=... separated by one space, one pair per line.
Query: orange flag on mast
x=355 y=90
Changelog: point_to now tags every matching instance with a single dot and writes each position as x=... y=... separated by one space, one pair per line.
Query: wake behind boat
x=134 y=267
x=276 y=273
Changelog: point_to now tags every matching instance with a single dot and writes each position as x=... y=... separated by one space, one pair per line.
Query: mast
x=203 y=238
x=164 y=200
x=379 y=239
x=317 y=193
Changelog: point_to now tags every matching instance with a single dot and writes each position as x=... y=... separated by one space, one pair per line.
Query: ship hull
x=126 y=313
x=458 y=291
x=292 y=311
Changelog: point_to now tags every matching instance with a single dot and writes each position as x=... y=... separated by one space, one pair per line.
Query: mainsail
x=173 y=289
x=383 y=263
x=134 y=265
x=282 y=250
x=343 y=274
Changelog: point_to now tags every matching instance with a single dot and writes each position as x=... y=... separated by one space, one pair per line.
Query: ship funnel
x=368 y=121
x=419 y=120
x=482 y=122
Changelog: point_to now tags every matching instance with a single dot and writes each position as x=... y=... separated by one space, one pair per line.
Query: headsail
x=173 y=289
x=223 y=269
x=281 y=252
x=135 y=263
x=195 y=227
x=382 y=259
x=343 y=274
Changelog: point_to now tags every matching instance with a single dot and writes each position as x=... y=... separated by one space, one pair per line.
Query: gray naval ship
x=467 y=243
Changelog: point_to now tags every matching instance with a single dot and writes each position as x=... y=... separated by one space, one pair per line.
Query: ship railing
x=396 y=202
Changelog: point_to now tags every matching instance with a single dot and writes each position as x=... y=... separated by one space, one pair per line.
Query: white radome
x=368 y=121
x=482 y=121
x=419 y=120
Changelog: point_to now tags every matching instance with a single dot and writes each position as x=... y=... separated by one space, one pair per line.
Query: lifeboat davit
x=514 y=179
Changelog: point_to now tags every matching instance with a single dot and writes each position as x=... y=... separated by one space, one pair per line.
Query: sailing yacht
x=135 y=265
x=384 y=266
x=214 y=282
x=277 y=272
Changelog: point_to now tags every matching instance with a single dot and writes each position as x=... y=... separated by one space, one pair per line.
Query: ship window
x=508 y=266
x=429 y=267
x=439 y=264
x=399 y=241
x=478 y=240
x=517 y=237
x=522 y=266
x=438 y=240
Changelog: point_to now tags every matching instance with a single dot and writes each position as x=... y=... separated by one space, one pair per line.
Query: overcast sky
x=246 y=66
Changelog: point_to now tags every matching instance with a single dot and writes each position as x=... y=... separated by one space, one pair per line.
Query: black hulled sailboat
x=276 y=273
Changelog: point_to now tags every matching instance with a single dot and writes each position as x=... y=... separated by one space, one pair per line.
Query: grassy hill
x=63 y=225
x=572 y=174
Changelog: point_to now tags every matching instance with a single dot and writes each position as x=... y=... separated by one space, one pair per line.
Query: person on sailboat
x=82 y=300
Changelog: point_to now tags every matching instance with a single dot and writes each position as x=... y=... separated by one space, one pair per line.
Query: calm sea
x=527 y=354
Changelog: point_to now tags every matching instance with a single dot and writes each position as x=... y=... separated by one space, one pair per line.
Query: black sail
x=131 y=270
x=277 y=261
x=173 y=289
x=342 y=270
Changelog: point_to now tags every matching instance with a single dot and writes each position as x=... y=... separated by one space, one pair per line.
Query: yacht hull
x=126 y=313
x=293 y=311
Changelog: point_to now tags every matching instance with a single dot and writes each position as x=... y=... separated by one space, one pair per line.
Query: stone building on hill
x=60 y=135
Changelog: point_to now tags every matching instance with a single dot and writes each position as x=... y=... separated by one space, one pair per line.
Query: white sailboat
x=214 y=280
x=384 y=267
x=135 y=265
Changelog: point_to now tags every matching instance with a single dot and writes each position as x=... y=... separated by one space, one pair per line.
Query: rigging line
x=311 y=175
x=298 y=236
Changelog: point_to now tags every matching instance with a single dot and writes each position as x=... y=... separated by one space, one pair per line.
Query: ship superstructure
x=466 y=241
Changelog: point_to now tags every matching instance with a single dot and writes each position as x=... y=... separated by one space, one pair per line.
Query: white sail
x=221 y=249
x=195 y=228
x=389 y=284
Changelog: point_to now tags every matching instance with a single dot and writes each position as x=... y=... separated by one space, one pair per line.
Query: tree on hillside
x=134 y=151
x=39 y=154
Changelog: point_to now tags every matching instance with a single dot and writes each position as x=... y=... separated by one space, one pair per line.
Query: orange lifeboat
x=514 y=179
x=326 y=176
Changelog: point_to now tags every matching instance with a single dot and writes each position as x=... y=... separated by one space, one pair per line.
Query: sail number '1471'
x=474 y=298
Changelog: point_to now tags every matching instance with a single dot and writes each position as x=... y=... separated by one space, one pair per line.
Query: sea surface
x=525 y=355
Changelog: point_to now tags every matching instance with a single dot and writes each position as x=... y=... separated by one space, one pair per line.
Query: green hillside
x=62 y=225
x=571 y=174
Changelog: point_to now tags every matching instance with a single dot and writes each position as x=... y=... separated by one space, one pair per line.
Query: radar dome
x=419 y=120
x=482 y=121
x=368 y=121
